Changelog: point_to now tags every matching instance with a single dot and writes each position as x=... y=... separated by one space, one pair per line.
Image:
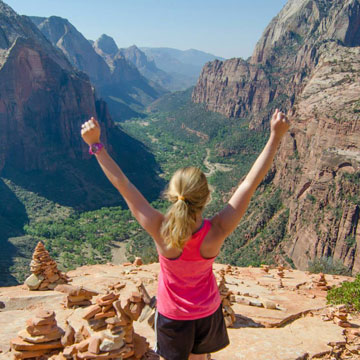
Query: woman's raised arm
x=149 y=218
x=227 y=220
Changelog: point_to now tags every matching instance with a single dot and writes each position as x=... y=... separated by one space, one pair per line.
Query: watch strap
x=95 y=148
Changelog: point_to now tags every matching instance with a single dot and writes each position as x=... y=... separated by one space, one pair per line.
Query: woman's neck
x=198 y=223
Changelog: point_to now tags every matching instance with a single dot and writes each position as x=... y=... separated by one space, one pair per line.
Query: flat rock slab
x=256 y=335
x=307 y=335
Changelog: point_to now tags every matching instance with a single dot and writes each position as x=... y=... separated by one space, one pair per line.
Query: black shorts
x=177 y=339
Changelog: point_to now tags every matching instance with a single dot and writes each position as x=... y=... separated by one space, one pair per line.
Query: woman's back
x=187 y=287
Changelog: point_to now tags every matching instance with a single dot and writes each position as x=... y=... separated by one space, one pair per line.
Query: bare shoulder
x=213 y=240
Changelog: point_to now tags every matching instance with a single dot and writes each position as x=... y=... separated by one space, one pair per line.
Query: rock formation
x=264 y=327
x=320 y=160
x=105 y=46
x=36 y=78
x=45 y=274
x=113 y=76
x=184 y=66
x=307 y=58
x=41 y=337
x=147 y=67
x=226 y=298
x=62 y=34
x=108 y=331
x=43 y=102
x=76 y=295
x=284 y=56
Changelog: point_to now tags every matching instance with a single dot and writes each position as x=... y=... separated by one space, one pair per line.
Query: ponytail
x=188 y=191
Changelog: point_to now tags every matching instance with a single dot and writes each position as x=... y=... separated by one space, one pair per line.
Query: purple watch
x=95 y=148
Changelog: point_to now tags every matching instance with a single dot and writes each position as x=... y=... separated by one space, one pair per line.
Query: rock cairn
x=41 y=336
x=108 y=332
x=227 y=297
x=75 y=295
x=280 y=272
x=45 y=274
x=350 y=347
x=339 y=315
x=321 y=283
x=149 y=310
x=265 y=268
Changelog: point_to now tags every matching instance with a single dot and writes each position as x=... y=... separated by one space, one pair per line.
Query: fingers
x=90 y=124
x=95 y=122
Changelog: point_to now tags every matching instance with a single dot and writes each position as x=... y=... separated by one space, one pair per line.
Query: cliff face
x=121 y=84
x=283 y=58
x=318 y=166
x=62 y=34
x=39 y=92
x=43 y=102
x=307 y=58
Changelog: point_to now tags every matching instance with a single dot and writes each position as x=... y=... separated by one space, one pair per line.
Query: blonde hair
x=189 y=192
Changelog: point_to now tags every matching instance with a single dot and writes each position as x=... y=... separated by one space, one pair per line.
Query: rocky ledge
x=279 y=313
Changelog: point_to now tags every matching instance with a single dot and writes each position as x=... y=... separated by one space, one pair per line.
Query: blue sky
x=227 y=28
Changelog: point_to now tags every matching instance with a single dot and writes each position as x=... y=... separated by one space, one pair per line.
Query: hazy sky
x=227 y=28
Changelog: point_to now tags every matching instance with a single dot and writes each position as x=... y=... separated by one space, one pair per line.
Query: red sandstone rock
x=20 y=344
x=138 y=261
x=92 y=311
x=69 y=337
x=94 y=345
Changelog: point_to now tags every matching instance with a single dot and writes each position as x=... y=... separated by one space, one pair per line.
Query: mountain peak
x=106 y=44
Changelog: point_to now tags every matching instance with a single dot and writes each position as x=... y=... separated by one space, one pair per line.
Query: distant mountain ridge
x=183 y=65
x=120 y=83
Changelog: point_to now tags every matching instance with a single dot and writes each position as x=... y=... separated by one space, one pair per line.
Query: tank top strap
x=191 y=250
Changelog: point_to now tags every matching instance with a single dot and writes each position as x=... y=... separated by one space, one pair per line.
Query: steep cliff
x=76 y=48
x=43 y=102
x=308 y=59
x=283 y=58
x=318 y=167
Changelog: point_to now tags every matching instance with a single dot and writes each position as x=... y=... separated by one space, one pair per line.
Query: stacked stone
x=112 y=333
x=340 y=316
x=321 y=283
x=280 y=272
x=226 y=298
x=45 y=274
x=138 y=261
x=116 y=287
x=149 y=310
x=41 y=337
x=75 y=295
x=229 y=269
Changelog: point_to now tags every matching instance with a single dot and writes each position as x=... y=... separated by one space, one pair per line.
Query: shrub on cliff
x=348 y=293
x=328 y=266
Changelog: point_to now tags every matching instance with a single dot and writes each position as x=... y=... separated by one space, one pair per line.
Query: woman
x=189 y=320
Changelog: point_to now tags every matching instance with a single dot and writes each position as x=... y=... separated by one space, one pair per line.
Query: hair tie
x=181 y=198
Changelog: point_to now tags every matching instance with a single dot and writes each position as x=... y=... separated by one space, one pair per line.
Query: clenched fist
x=90 y=131
x=279 y=123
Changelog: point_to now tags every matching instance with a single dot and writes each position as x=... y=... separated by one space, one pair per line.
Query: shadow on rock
x=243 y=321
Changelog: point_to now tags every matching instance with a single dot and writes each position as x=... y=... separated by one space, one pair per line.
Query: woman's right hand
x=90 y=131
x=279 y=124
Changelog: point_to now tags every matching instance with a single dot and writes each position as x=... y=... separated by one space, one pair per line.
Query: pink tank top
x=187 y=288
